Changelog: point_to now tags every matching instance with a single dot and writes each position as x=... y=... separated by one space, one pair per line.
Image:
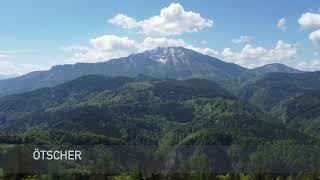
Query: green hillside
x=152 y=120
x=268 y=90
x=301 y=112
x=137 y=111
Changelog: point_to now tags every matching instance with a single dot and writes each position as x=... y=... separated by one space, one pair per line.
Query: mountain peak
x=169 y=54
x=168 y=48
x=162 y=62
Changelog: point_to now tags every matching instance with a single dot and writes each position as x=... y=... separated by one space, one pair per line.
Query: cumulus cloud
x=313 y=65
x=108 y=47
x=124 y=21
x=282 y=24
x=172 y=20
x=102 y=48
x=309 y=20
x=251 y=56
x=315 y=37
x=113 y=43
x=242 y=39
x=282 y=51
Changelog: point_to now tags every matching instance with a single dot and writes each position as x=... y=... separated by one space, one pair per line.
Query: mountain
x=165 y=62
x=266 y=91
x=188 y=122
x=301 y=112
x=93 y=91
x=276 y=67
x=294 y=98
x=140 y=111
x=162 y=62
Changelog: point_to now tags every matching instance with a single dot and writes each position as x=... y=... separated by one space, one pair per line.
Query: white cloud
x=309 y=20
x=113 y=43
x=206 y=51
x=282 y=24
x=251 y=56
x=283 y=51
x=242 y=39
x=124 y=21
x=8 y=67
x=247 y=52
x=246 y=56
x=108 y=47
x=313 y=65
x=173 y=20
x=102 y=48
x=315 y=37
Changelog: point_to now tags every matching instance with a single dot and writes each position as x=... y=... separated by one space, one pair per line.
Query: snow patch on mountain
x=174 y=55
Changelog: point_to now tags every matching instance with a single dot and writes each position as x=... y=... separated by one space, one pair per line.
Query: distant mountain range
x=276 y=67
x=162 y=62
x=169 y=98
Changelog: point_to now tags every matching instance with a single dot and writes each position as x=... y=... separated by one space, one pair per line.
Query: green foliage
x=268 y=90
x=168 y=114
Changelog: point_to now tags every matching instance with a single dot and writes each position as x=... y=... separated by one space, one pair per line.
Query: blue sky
x=35 y=34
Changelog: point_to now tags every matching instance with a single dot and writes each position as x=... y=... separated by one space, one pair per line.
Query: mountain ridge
x=126 y=104
x=192 y=65
x=162 y=62
x=275 y=67
x=268 y=90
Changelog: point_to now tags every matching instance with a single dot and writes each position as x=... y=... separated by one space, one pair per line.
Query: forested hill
x=164 y=114
x=266 y=91
x=143 y=110
x=162 y=62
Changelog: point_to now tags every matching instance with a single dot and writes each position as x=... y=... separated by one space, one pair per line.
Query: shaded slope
x=150 y=111
x=268 y=90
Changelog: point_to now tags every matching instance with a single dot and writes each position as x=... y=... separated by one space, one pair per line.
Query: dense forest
x=143 y=127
